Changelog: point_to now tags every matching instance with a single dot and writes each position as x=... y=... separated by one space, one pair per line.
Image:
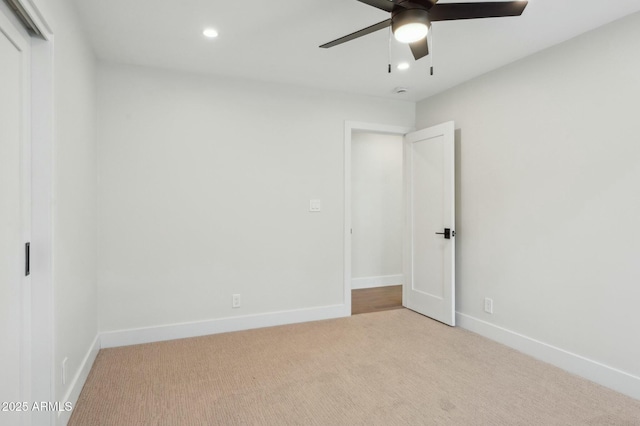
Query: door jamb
x=349 y=128
x=41 y=370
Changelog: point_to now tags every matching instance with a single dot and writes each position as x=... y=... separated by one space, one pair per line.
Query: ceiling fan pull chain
x=389 y=50
x=432 y=50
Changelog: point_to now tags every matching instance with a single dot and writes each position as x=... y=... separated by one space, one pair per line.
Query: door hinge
x=27 y=259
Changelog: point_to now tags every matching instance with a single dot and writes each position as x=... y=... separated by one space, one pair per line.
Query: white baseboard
x=372 y=282
x=597 y=372
x=137 y=336
x=78 y=381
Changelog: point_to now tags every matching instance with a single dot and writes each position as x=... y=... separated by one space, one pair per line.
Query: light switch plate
x=315 y=205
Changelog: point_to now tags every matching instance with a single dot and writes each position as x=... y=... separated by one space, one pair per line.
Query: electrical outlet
x=64 y=371
x=488 y=305
x=235 y=301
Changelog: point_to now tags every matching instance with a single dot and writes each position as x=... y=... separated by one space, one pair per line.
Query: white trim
x=161 y=333
x=36 y=16
x=42 y=226
x=373 y=282
x=385 y=129
x=78 y=381
x=42 y=141
x=595 y=371
x=349 y=128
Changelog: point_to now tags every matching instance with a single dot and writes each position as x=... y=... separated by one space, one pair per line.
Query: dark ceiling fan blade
x=420 y=48
x=385 y=5
x=453 y=11
x=416 y=4
x=365 y=31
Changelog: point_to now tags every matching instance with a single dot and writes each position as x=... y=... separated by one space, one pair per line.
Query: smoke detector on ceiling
x=400 y=90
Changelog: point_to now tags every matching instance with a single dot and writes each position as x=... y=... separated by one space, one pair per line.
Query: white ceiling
x=278 y=41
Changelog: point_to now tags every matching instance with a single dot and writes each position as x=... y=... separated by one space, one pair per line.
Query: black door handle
x=27 y=259
x=448 y=233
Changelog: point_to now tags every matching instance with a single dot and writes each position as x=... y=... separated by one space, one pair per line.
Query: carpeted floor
x=387 y=368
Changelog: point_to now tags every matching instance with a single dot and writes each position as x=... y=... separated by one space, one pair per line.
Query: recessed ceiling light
x=403 y=66
x=210 y=33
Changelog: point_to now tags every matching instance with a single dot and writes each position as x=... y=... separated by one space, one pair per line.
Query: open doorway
x=376 y=222
x=428 y=255
x=374 y=183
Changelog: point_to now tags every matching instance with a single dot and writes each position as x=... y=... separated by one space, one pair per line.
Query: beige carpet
x=386 y=368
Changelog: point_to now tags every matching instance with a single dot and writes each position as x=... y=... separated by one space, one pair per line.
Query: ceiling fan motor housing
x=401 y=16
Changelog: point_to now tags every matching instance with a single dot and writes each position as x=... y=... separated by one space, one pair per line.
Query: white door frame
x=42 y=197
x=349 y=128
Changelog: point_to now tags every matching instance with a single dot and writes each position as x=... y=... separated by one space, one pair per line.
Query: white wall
x=548 y=201
x=74 y=195
x=377 y=218
x=204 y=189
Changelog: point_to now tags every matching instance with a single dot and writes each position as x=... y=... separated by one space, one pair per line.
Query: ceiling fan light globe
x=210 y=33
x=411 y=32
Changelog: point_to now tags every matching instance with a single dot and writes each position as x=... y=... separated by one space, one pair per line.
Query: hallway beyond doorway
x=376 y=299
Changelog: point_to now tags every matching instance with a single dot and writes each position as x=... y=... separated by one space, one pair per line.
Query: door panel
x=429 y=195
x=427 y=185
x=14 y=213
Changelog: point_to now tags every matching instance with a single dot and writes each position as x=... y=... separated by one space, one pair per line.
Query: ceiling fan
x=411 y=19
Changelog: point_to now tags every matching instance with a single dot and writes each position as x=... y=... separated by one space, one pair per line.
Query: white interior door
x=15 y=216
x=429 y=236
